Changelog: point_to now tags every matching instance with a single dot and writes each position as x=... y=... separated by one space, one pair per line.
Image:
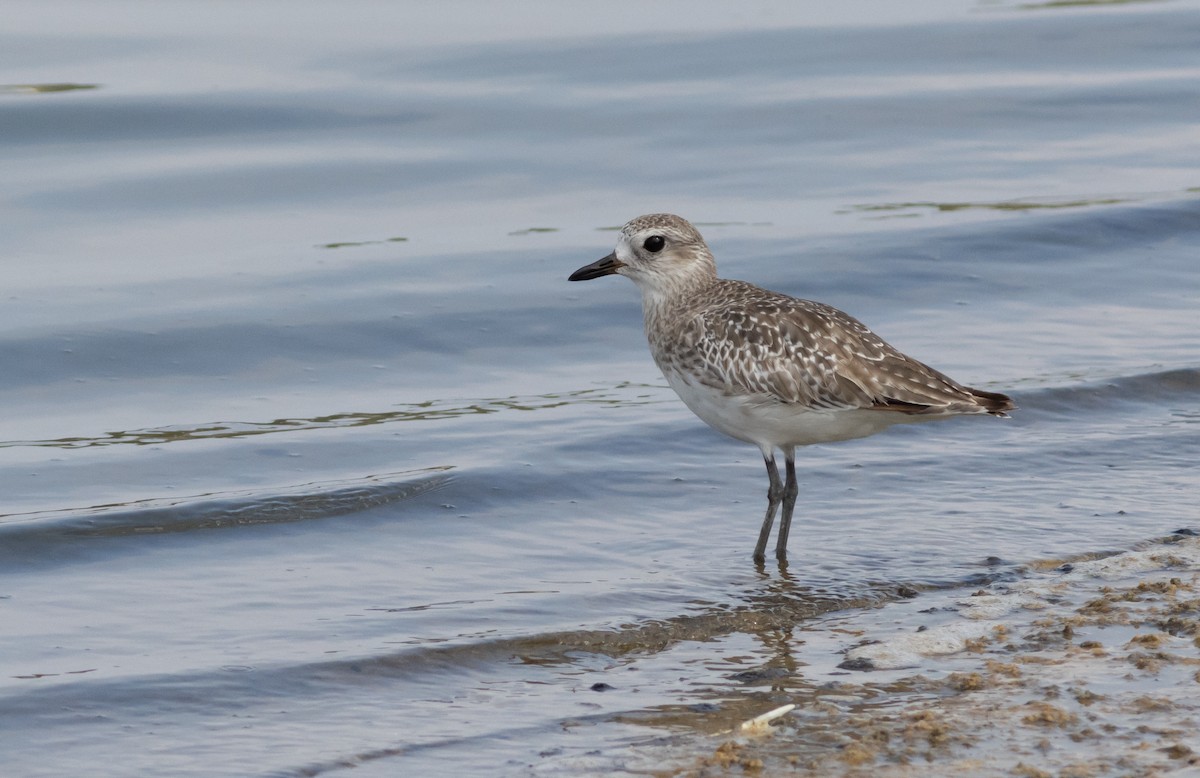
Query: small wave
x=431 y=410
x=316 y=500
x=432 y=663
x=1145 y=388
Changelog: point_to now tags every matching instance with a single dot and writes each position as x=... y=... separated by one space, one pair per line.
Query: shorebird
x=770 y=369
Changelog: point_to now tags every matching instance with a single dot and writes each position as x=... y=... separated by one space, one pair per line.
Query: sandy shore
x=1067 y=669
x=1077 y=669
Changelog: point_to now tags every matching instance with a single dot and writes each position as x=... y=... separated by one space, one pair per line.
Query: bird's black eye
x=654 y=244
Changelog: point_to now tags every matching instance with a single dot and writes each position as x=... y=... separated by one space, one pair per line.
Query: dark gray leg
x=790 y=490
x=774 y=495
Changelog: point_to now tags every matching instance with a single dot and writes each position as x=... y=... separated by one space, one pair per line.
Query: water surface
x=313 y=459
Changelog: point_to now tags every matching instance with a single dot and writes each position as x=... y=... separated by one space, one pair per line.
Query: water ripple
x=430 y=410
x=316 y=500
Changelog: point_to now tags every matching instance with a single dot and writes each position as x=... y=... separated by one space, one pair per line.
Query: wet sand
x=1081 y=668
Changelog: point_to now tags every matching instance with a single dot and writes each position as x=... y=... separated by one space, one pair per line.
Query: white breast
x=768 y=423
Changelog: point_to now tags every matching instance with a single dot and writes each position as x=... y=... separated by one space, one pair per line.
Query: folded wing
x=802 y=352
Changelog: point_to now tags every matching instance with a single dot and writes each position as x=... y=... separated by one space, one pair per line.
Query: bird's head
x=663 y=254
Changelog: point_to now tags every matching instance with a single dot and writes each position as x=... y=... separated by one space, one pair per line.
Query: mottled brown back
x=739 y=339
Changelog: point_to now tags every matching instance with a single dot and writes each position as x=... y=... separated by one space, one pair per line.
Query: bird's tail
x=993 y=402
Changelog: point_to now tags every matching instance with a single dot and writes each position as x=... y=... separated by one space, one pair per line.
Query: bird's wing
x=807 y=353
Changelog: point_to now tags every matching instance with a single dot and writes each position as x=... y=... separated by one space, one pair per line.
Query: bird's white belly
x=767 y=423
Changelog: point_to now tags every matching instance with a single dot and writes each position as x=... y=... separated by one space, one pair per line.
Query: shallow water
x=313 y=459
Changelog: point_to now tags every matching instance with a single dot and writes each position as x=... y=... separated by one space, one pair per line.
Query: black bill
x=601 y=267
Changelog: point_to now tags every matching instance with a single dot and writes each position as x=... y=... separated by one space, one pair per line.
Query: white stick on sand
x=760 y=724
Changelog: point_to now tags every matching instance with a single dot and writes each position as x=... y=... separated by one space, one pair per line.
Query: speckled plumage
x=767 y=368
